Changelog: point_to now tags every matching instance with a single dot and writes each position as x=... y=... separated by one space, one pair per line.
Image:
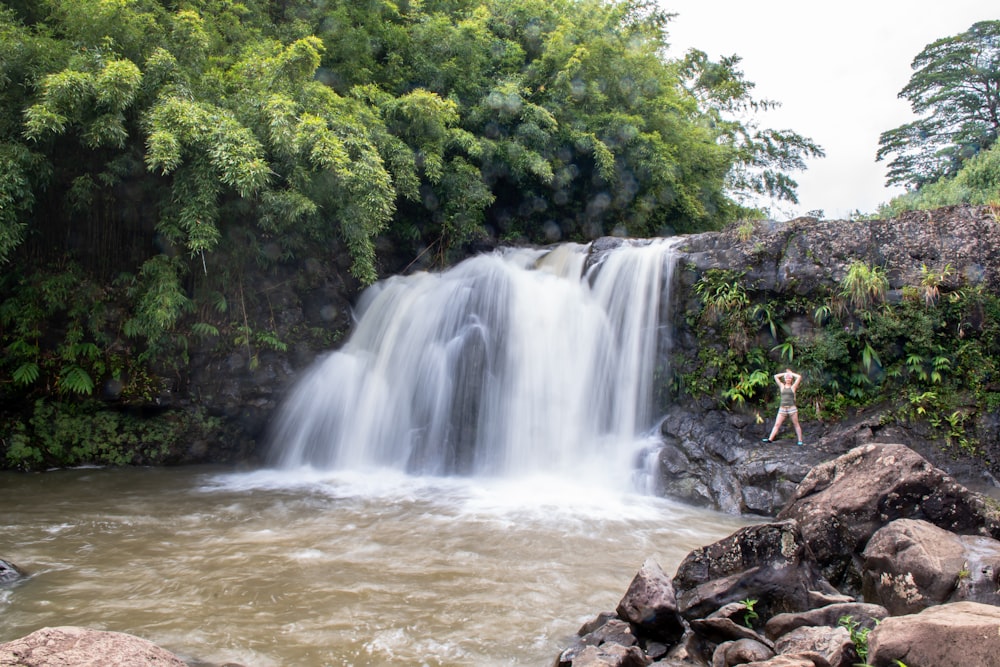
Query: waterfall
x=509 y=364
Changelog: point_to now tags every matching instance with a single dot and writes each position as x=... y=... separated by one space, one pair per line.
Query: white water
x=509 y=365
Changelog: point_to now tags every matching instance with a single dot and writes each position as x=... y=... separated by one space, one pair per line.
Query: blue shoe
x=800 y=443
x=766 y=440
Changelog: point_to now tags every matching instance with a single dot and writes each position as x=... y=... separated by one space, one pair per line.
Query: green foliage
x=955 y=90
x=62 y=433
x=977 y=182
x=747 y=386
x=749 y=616
x=864 y=285
x=159 y=302
x=312 y=123
x=933 y=360
x=859 y=635
x=726 y=302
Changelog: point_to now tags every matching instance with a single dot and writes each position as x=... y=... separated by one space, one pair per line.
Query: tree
x=762 y=157
x=955 y=88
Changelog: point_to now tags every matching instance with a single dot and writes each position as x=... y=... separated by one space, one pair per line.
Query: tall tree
x=955 y=88
x=762 y=157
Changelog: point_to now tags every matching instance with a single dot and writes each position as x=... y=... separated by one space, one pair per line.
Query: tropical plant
x=864 y=285
x=749 y=615
x=858 y=633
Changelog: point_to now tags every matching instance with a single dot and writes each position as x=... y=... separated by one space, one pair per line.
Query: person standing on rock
x=788 y=383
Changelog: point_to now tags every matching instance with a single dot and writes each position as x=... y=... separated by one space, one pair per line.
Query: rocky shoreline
x=878 y=557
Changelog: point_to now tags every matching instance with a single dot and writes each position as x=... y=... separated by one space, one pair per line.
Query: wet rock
x=809 y=257
x=609 y=655
x=740 y=652
x=767 y=563
x=864 y=614
x=10 y=573
x=789 y=661
x=832 y=646
x=959 y=633
x=721 y=630
x=606 y=628
x=81 y=647
x=840 y=504
x=714 y=458
x=651 y=606
x=910 y=565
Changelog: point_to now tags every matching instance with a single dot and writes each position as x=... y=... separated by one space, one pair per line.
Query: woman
x=788 y=383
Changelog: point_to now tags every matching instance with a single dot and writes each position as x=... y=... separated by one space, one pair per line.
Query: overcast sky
x=836 y=68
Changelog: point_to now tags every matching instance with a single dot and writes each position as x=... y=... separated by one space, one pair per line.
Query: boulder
x=788 y=661
x=910 y=565
x=606 y=628
x=958 y=633
x=864 y=614
x=82 y=647
x=831 y=645
x=768 y=563
x=650 y=605
x=840 y=504
x=740 y=652
x=609 y=655
x=10 y=573
x=719 y=630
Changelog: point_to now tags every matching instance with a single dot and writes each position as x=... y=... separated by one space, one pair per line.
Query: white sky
x=836 y=68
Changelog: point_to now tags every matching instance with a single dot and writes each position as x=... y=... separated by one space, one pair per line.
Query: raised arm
x=798 y=380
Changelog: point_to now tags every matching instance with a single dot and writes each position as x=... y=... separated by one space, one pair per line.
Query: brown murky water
x=308 y=569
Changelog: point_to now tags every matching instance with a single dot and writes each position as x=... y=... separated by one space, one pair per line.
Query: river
x=297 y=568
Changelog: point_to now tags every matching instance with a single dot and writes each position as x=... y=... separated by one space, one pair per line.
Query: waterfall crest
x=507 y=364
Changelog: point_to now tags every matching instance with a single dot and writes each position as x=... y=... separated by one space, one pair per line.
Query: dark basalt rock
x=10 y=573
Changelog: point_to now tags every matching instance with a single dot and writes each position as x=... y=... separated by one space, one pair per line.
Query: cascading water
x=508 y=364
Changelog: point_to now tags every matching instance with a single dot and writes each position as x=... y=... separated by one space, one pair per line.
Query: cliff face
x=713 y=452
x=809 y=258
x=309 y=307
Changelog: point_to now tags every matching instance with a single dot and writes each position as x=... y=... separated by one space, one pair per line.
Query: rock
x=788 y=661
x=596 y=622
x=720 y=630
x=609 y=655
x=767 y=563
x=81 y=647
x=10 y=573
x=605 y=629
x=650 y=605
x=958 y=633
x=615 y=631
x=740 y=652
x=691 y=650
x=864 y=614
x=709 y=459
x=831 y=645
x=840 y=504
x=910 y=565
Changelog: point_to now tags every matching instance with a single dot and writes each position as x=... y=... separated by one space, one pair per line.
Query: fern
x=204 y=329
x=76 y=380
x=271 y=340
x=26 y=373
